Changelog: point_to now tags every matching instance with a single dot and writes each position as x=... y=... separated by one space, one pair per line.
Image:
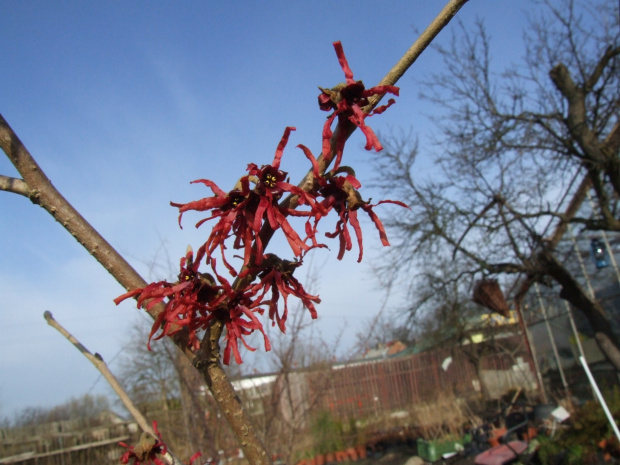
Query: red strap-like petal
x=379 y=225
x=313 y=160
x=297 y=245
x=358 y=232
x=129 y=294
x=382 y=90
x=281 y=145
x=327 y=135
x=193 y=457
x=357 y=118
x=216 y=190
x=382 y=108
x=353 y=181
x=343 y=62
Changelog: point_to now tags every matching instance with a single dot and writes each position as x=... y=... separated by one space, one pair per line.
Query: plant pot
x=431 y=451
x=531 y=433
x=352 y=453
x=361 y=451
x=496 y=434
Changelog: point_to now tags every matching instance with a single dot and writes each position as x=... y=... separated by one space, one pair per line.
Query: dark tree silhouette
x=517 y=153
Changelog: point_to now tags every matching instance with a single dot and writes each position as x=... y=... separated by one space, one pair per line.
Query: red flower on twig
x=242 y=212
x=237 y=310
x=270 y=186
x=347 y=101
x=189 y=300
x=195 y=301
x=253 y=207
x=236 y=212
x=146 y=451
x=340 y=193
x=237 y=327
x=277 y=275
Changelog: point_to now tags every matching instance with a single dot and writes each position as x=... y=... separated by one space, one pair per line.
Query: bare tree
x=86 y=407
x=519 y=151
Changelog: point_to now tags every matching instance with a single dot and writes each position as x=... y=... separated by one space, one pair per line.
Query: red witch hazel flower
x=242 y=211
x=237 y=327
x=339 y=189
x=237 y=309
x=236 y=212
x=147 y=450
x=271 y=185
x=347 y=100
x=189 y=300
x=277 y=275
x=197 y=300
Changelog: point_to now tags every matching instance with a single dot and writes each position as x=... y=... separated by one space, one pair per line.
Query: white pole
x=612 y=422
x=579 y=259
x=574 y=328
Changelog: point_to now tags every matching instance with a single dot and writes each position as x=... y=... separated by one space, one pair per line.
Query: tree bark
x=597 y=155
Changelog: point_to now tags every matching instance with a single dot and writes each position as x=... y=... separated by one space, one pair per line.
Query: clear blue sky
x=124 y=103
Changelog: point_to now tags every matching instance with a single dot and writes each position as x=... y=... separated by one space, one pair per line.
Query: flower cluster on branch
x=148 y=450
x=242 y=215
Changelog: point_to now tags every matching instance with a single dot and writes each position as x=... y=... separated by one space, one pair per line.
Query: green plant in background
x=548 y=448
x=327 y=433
x=580 y=441
x=355 y=434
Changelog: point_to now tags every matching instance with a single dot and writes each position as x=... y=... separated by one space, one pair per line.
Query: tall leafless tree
x=519 y=150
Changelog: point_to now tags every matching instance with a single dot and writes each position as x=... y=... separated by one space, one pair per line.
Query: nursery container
x=433 y=450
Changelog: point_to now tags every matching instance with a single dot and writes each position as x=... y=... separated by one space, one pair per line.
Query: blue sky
x=124 y=103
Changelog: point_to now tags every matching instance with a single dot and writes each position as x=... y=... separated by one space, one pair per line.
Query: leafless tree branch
x=102 y=367
x=15 y=185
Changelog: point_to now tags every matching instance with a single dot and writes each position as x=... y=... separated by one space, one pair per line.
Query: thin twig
x=391 y=78
x=15 y=185
x=411 y=55
x=97 y=360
